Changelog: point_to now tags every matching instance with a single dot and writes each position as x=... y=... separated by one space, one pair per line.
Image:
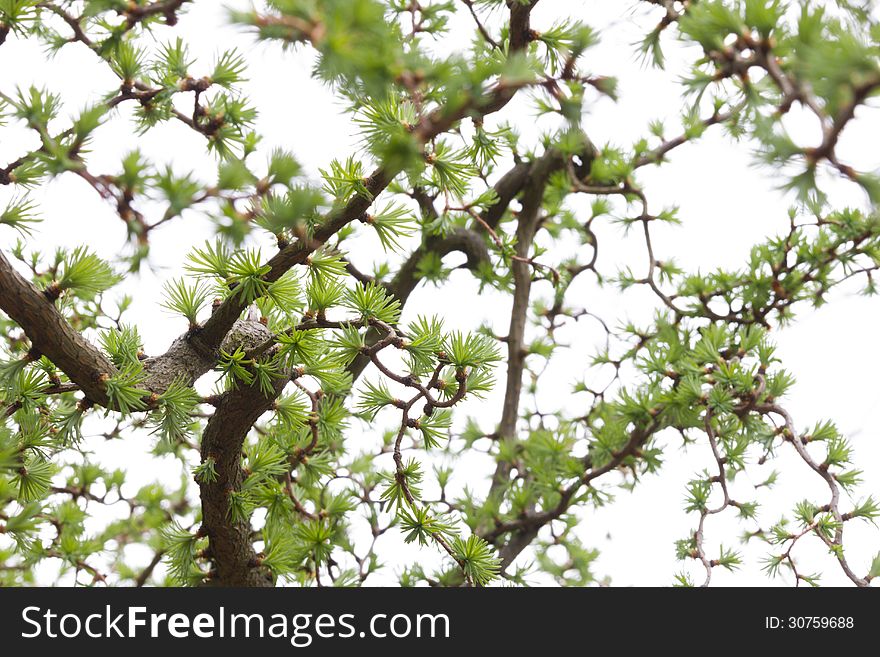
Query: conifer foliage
x=287 y=350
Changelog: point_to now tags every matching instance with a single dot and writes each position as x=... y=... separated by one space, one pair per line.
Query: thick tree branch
x=230 y=545
x=52 y=335
x=464 y=240
x=520 y=23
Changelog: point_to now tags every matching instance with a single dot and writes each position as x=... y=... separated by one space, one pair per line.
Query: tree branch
x=52 y=335
x=230 y=546
x=527 y=227
x=520 y=23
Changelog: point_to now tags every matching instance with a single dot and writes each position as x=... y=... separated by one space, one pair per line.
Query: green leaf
x=123 y=389
x=180 y=553
x=470 y=350
x=375 y=397
x=212 y=260
x=420 y=526
x=33 y=479
x=229 y=69
x=206 y=472
x=391 y=224
x=123 y=345
x=174 y=418
x=410 y=476
x=234 y=366
x=435 y=427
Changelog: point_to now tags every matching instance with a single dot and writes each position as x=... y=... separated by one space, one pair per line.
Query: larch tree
x=287 y=346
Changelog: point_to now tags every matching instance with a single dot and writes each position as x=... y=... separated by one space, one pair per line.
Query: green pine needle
x=477 y=559
x=371 y=301
x=391 y=224
x=20 y=215
x=229 y=69
x=124 y=392
x=33 y=478
x=186 y=300
x=85 y=274
x=419 y=525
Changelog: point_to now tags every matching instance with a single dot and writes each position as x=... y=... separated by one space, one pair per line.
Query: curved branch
x=464 y=240
x=229 y=540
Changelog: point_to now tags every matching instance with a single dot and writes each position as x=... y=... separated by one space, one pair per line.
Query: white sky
x=727 y=205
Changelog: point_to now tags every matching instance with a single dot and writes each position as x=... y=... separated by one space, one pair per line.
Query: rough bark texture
x=52 y=335
x=230 y=544
x=181 y=361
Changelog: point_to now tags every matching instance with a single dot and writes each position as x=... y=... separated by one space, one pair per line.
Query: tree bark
x=52 y=335
x=230 y=543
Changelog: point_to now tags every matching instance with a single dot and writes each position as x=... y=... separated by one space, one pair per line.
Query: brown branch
x=167 y=8
x=51 y=390
x=52 y=335
x=527 y=227
x=835 y=544
x=520 y=23
x=72 y=22
x=524 y=530
x=482 y=28
x=656 y=155
x=229 y=540
x=148 y=570
x=465 y=240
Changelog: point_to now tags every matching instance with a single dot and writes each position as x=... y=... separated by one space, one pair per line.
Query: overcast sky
x=727 y=205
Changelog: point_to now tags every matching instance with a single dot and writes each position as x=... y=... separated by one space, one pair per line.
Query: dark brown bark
x=230 y=543
x=52 y=335
x=507 y=188
x=466 y=241
x=520 y=23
